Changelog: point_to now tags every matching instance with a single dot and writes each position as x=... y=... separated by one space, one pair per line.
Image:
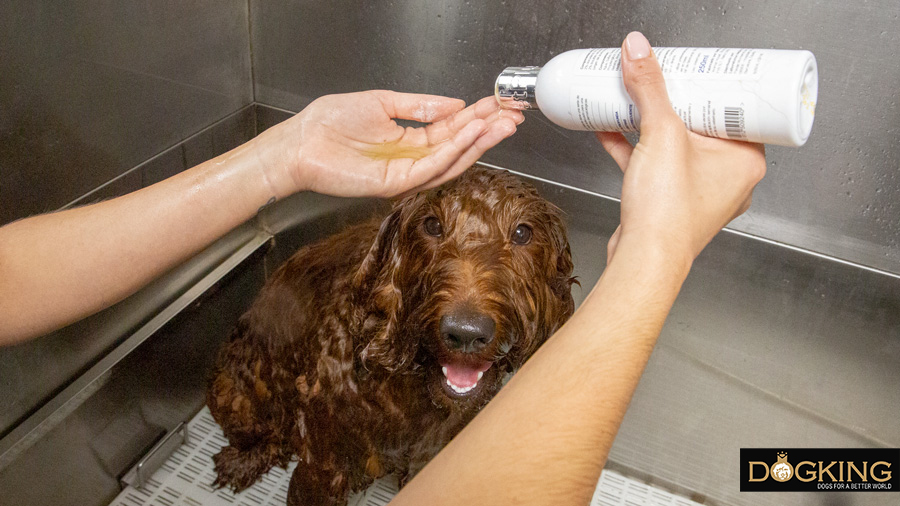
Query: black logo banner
x=820 y=469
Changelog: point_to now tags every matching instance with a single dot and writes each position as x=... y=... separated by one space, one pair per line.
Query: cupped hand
x=349 y=145
x=680 y=188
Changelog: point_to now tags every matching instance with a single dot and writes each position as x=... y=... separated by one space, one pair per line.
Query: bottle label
x=705 y=108
x=731 y=119
x=715 y=117
x=681 y=62
x=597 y=113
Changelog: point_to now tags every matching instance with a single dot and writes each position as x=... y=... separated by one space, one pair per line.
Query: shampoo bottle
x=758 y=95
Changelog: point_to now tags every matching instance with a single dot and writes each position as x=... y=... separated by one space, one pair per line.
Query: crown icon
x=782 y=455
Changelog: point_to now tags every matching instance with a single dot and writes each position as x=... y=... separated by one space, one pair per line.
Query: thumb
x=644 y=81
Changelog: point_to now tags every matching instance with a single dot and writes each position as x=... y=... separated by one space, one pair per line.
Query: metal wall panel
x=148 y=393
x=89 y=90
x=765 y=347
x=97 y=428
x=33 y=370
x=838 y=195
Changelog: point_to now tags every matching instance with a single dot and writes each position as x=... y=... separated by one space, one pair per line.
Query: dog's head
x=463 y=283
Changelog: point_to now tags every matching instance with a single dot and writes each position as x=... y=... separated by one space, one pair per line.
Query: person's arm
x=545 y=437
x=59 y=267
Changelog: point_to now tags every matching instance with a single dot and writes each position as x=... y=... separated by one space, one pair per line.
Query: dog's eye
x=433 y=227
x=522 y=234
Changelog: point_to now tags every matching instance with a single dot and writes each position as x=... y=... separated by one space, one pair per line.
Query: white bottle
x=758 y=95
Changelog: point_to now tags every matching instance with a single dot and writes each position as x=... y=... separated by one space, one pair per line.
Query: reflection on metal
x=220 y=136
x=14 y=445
x=90 y=91
x=138 y=475
x=726 y=230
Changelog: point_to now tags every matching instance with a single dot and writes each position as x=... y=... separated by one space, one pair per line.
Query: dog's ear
x=375 y=290
x=379 y=254
x=561 y=280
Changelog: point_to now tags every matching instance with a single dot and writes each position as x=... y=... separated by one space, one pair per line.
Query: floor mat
x=185 y=478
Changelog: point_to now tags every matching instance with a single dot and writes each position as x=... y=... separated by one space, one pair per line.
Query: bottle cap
x=515 y=86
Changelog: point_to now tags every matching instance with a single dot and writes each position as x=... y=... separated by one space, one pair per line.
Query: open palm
x=349 y=145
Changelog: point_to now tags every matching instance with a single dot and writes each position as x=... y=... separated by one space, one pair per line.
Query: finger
x=514 y=115
x=644 y=82
x=441 y=160
x=495 y=133
x=617 y=146
x=613 y=242
x=458 y=157
x=486 y=109
x=416 y=107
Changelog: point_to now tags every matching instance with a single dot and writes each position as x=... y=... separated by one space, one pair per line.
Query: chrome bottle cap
x=515 y=86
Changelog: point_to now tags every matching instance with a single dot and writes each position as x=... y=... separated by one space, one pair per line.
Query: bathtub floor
x=184 y=480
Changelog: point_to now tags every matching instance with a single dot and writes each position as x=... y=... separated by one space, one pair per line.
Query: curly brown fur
x=339 y=360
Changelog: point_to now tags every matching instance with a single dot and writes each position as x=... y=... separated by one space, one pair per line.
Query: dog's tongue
x=465 y=375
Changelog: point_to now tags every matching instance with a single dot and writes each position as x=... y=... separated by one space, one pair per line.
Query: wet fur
x=337 y=361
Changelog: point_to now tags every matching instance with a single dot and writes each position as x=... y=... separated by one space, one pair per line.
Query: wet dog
x=365 y=353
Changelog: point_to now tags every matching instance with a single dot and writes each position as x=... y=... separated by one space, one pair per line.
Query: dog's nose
x=467 y=332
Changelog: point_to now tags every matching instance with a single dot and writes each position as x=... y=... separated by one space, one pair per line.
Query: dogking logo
x=820 y=469
x=782 y=471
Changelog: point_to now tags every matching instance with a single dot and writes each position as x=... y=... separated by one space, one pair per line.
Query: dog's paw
x=313 y=486
x=237 y=469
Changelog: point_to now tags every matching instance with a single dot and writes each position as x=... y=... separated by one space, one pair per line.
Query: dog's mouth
x=462 y=377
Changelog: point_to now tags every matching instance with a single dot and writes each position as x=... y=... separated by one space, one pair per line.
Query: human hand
x=349 y=145
x=680 y=188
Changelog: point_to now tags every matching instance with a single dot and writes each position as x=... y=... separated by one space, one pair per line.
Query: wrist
x=277 y=161
x=636 y=291
x=653 y=255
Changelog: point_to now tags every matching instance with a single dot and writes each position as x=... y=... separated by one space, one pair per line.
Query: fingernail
x=515 y=116
x=637 y=46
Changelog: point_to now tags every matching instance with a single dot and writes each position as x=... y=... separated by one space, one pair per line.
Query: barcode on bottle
x=734 y=123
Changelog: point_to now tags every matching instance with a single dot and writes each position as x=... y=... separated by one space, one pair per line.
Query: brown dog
x=367 y=352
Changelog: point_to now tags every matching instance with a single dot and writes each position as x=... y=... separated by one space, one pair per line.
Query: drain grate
x=185 y=478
